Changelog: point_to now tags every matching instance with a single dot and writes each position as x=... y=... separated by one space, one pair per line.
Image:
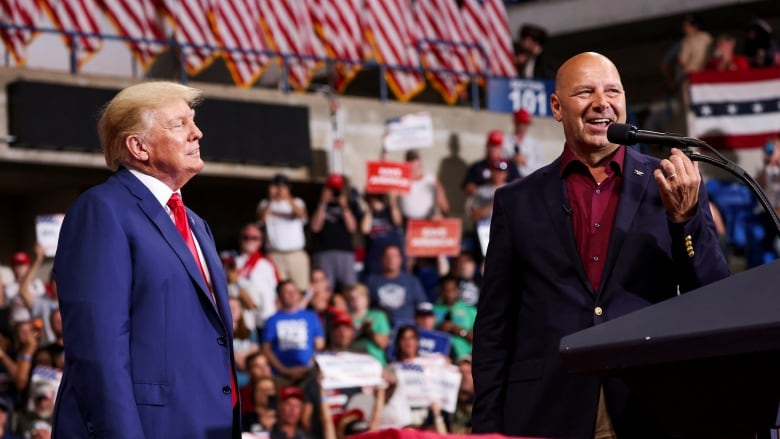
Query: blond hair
x=130 y=112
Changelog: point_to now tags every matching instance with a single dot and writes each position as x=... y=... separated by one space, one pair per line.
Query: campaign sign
x=433 y=237
x=427 y=379
x=383 y=177
x=408 y=132
x=508 y=95
x=345 y=370
x=47 y=232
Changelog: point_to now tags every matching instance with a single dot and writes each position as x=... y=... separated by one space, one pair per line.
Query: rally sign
x=383 y=177
x=408 y=132
x=433 y=237
x=47 y=232
x=428 y=379
x=345 y=370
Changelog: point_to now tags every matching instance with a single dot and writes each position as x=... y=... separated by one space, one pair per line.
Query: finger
x=668 y=168
x=662 y=181
x=686 y=161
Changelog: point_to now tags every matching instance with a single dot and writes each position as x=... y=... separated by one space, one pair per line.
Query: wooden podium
x=705 y=364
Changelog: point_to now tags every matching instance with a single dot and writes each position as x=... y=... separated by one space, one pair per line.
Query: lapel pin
x=638 y=172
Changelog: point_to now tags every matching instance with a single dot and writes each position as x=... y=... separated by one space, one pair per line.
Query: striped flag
x=441 y=20
x=339 y=25
x=486 y=23
x=389 y=27
x=288 y=26
x=137 y=19
x=735 y=109
x=192 y=27
x=76 y=16
x=236 y=24
x=21 y=13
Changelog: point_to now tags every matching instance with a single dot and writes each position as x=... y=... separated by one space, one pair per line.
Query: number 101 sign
x=508 y=95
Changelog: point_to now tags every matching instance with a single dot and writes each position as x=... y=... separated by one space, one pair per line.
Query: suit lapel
x=637 y=173
x=214 y=264
x=157 y=215
x=557 y=209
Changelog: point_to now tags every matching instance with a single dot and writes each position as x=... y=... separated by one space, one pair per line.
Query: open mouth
x=600 y=123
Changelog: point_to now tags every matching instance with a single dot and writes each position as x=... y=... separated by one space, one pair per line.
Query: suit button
x=598 y=311
x=226 y=390
x=222 y=341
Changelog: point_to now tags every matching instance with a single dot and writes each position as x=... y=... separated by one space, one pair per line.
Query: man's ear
x=137 y=148
x=555 y=106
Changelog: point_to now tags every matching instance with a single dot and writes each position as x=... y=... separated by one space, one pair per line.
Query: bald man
x=600 y=232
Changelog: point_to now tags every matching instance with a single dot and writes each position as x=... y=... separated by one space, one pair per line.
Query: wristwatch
x=463 y=333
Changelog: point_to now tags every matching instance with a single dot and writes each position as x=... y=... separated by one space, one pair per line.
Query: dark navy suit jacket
x=147 y=353
x=536 y=291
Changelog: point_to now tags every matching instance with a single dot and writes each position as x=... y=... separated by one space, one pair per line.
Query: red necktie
x=180 y=218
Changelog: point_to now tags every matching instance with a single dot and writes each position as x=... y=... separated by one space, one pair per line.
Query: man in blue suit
x=146 y=322
x=600 y=232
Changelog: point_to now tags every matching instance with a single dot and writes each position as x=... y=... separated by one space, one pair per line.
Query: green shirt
x=462 y=315
x=379 y=325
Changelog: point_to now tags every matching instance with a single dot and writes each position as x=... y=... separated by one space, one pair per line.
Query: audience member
x=257 y=277
x=430 y=341
x=26 y=288
x=760 y=48
x=260 y=413
x=292 y=335
x=284 y=217
x=244 y=341
x=332 y=226
x=724 y=59
x=257 y=367
x=461 y=419
x=529 y=54
x=469 y=277
x=455 y=317
x=694 y=46
x=321 y=300
x=523 y=148
x=36 y=422
x=381 y=225
x=373 y=328
x=395 y=291
x=426 y=198
x=290 y=414
x=7 y=419
x=479 y=172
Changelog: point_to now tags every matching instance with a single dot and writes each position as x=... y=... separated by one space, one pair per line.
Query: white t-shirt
x=283 y=229
x=261 y=286
x=420 y=202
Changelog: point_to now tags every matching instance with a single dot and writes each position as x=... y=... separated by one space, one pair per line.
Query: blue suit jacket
x=147 y=353
x=535 y=291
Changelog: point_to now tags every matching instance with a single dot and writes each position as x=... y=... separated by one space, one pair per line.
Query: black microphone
x=625 y=134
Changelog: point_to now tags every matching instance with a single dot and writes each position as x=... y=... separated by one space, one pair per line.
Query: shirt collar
x=570 y=163
x=160 y=190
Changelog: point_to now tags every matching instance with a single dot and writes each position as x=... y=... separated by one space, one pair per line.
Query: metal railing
x=285 y=58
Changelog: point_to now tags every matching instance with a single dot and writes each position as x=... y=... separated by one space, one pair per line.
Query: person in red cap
x=479 y=172
x=288 y=424
x=333 y=224
x=523 y=148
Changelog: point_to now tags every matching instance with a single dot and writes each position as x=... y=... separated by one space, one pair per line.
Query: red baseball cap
x=290 y=392
x=20 y=258
x=335 y=182
x=341 y=318
x=522 y=116
x=495 y=138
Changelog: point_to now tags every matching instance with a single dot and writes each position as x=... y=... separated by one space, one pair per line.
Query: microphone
x=625 y=134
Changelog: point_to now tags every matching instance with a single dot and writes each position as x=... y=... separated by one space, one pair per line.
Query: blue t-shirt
x=292 y=336
x=398 y=297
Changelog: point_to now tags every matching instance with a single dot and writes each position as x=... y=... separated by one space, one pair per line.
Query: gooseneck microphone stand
x=720 y=161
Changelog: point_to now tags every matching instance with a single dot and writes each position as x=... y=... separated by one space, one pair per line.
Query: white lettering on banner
x=427 y=344
x=423 y=241
x=429 y=379
x=293 y=334
x=530 y=95
x=383 y=180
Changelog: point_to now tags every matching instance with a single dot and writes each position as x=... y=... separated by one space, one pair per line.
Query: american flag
x=76 y=16
x=237 y=26
x=339 y=25
x=288 y=25
x=138 y=19
x=738 y=109
x=441 y=20
x=389 y=27
x=486 y=23
x=190 y=19
x=20 y=13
